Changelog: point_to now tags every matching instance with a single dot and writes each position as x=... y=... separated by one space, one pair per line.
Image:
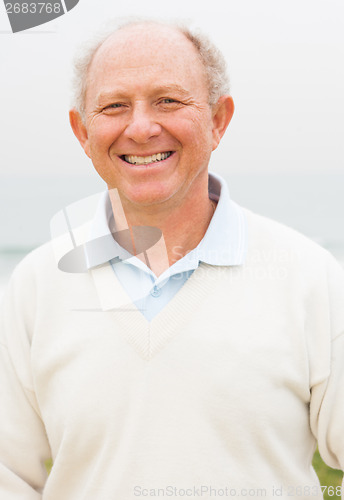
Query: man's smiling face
x=148 y=126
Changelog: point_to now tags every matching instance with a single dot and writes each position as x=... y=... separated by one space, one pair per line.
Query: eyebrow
x=104 y=96
x=171 y=88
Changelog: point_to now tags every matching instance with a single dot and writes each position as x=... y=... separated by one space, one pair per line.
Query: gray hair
x=210 y=56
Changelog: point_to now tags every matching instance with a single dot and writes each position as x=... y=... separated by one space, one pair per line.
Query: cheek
x=200 y=137
x=103 y=135
x=194 y=133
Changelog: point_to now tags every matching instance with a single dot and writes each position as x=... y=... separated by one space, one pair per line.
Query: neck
x=183 y=226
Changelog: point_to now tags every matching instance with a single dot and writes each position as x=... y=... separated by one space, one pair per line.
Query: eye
x=113 y=108
x=168 y=100
x=115 y=105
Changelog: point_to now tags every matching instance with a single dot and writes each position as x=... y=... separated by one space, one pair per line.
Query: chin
x=152 y=196
x=146 y=201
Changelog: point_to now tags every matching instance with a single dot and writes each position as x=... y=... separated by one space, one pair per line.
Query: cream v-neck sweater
x=224 y=393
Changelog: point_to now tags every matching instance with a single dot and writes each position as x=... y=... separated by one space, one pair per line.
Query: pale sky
x=285 y=62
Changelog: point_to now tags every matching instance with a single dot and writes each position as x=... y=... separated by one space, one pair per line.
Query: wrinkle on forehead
x=142 y=45
x=153 y=34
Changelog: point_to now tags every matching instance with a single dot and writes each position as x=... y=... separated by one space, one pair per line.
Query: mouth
x=146 y=160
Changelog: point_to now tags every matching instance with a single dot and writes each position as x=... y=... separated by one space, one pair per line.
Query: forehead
x=147 y=54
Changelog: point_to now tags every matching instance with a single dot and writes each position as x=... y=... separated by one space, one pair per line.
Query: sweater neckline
x=150 y=337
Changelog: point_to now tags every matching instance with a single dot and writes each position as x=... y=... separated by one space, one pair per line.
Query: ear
x=222 y=115
x=79 y=129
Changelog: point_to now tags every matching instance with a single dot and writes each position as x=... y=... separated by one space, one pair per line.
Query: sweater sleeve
x=23 y=442
x=327 y=394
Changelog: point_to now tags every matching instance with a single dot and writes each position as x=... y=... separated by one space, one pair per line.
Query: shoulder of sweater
x=268 y=235
x=43 y=260
x=40 y=261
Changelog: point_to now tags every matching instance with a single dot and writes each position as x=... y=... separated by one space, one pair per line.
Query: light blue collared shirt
x=224 y=244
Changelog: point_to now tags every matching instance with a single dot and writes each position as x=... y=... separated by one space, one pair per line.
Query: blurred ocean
x=312 y=204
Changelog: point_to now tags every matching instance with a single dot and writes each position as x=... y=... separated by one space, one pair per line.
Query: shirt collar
x=224 y=244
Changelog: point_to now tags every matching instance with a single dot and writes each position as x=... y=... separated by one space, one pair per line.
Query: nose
x=142 y=125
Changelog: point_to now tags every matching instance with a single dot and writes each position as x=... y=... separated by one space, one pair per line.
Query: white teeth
x=144 y=160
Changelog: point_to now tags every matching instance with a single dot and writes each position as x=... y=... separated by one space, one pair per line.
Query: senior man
x=221 y=379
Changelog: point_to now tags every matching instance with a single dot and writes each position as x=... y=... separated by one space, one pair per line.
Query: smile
x=144 y=160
